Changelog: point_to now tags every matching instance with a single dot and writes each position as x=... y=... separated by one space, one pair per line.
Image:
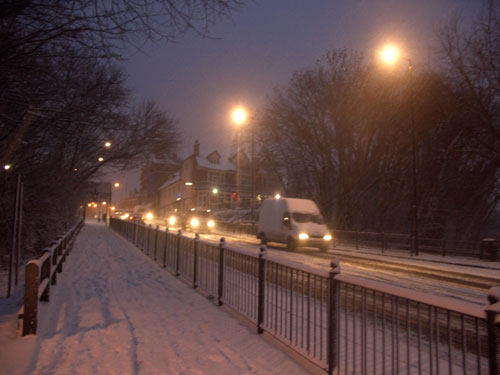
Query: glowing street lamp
x=239 y=116
x=391 y=55
x=7 y=167
x=101 y=160
x=117 y=185
x=107 y=144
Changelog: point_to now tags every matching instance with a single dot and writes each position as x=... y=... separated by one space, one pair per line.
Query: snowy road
x=116 y=312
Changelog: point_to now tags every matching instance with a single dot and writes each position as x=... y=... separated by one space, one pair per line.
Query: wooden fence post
x=32 y=279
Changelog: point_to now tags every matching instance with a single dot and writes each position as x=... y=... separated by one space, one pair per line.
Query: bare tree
x=340 y=133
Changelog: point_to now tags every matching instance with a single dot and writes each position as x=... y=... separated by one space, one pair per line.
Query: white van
x=296 y=222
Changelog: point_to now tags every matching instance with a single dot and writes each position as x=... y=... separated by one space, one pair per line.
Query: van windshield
x=301 y=217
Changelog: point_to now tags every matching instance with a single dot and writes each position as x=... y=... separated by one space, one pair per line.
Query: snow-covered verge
x=115 y=311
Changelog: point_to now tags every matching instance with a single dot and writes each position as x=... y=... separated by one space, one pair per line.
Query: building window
x=202 y=199
x=216 y=178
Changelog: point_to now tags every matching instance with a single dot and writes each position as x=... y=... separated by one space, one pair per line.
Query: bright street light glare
x=100 y=160
x=107 y=144
x=6 y=167
x=117 y=184
x=239 y=116
x=389 y=54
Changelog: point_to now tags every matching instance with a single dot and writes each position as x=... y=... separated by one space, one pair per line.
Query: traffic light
x=235 y=197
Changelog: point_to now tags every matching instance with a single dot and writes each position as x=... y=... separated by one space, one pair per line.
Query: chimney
x=196 y=148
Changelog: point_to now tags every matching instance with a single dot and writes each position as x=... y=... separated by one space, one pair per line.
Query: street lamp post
x=239 y=116
x=390 y=54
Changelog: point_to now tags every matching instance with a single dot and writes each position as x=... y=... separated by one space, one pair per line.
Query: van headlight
x=303 y=236
x=195 y=222
x=211 y=223
x=327 y=237
x=171 y=220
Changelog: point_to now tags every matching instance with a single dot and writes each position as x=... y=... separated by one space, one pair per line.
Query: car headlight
x=327 y=237
x=171 y=220
x=303 y=236
x=211 y=223
x=195 y=222
x=149 y=216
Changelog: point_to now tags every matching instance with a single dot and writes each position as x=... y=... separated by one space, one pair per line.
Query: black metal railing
x=344 y=324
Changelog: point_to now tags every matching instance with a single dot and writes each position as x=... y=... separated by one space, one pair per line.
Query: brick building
x=215 y=181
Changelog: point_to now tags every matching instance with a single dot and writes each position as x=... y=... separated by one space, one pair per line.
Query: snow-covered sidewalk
x=114 y=311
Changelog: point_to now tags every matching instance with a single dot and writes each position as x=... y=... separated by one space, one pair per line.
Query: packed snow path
x=114 y=311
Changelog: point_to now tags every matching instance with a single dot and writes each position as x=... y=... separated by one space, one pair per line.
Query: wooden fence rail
x=40 y=274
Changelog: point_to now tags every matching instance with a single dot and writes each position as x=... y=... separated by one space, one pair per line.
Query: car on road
x=199 y=221
x=293 y=221
x=175 y=220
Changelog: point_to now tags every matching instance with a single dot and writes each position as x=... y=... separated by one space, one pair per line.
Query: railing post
x=165 y=246
x=136 y=234
x=333 y=294
x=178 y=251
x=492 y=311
x=222 y=246
x=195 y=258
x=262 y=284
x=147 y=239
x=31 y=280
x=143 y=236
x=156 y=241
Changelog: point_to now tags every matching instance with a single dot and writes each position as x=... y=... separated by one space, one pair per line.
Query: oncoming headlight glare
x=303 y=236
x=327 y=237
x=171 y=220
x=195 y=222
x=211 y=223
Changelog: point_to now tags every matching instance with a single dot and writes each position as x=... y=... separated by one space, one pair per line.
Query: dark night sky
x=197 y=81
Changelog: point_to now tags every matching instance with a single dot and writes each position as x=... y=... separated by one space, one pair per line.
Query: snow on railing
x=40 y=274
x=342 y=323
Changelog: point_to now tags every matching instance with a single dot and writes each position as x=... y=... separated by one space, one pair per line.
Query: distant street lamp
x=117 y=185
x=214 y=193
x=107 y=144
x=390 y=55
x=239 y=117
x=101 y=159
